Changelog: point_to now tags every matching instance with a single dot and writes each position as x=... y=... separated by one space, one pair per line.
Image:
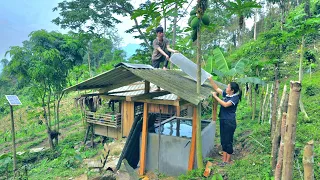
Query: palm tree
x=242 y=9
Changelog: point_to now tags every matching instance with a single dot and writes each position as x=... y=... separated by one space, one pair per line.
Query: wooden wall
x=165 y=109
x=127 y=117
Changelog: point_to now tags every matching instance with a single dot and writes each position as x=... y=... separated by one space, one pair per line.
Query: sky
x=18 y=18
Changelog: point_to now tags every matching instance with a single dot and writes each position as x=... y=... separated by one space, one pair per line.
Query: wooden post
x=264 y=104
x=193 y=140
x=261 y=102
x=13 y=142
x=214 y=109
x=290 y=133
x=146 y=87
x=277 y=133
x=277 y=173
x=178 y=121
x=308 y=161
x=144 y=136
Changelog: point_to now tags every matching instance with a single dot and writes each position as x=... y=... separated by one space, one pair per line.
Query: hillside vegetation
x=285 y=42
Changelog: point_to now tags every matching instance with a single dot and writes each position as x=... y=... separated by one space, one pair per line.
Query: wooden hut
x=133 y=86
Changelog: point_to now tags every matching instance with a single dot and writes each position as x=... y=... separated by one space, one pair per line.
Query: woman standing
x=231 y=97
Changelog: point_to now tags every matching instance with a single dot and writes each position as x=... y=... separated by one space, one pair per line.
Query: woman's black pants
x=227 y=128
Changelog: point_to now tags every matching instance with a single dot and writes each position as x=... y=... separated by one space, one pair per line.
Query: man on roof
x=161 y=50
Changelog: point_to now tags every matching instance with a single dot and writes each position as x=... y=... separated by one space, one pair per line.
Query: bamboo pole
x=306 y=117
x=277 y=133
x=270 y=103
x=290 y=133
x=277 y=173
x=264 y=104
x=308 y=161
x=261 y=103
x=254 y=104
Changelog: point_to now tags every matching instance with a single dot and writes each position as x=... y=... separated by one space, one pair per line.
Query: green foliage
x=77 y=14
x=220 y=61
x=193 y=174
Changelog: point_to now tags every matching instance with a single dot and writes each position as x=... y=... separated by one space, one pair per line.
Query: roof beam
x=159 y=101
x=147 y=95
x=105 y=95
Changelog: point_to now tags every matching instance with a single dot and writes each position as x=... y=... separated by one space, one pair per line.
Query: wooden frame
x=193 y=140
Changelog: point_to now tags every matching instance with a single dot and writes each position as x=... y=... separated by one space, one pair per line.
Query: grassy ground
x=252 y=143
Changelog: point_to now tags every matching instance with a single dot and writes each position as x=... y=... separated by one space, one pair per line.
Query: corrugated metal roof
x=138 y=89
x=136 y=66
x=112 y=79
x=174 y=81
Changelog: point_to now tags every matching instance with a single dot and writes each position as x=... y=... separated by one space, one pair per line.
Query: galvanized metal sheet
x=174 y=81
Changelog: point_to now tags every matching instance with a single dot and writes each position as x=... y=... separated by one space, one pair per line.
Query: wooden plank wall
x=128 y=117
x=165 y=109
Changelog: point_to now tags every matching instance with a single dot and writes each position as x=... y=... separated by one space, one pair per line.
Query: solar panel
x=13 y=100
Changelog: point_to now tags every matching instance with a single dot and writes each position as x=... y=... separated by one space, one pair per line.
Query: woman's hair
x=236 y=89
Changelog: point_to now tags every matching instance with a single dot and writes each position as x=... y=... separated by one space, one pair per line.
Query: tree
x=44 y=61
x=242 y=9
x=4 y=62
x=99 y=14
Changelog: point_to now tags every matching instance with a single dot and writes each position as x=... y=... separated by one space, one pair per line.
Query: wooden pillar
x=214 y=109
x=144 y=136
x=146 y=87
x=178 y=109
x=193 y=140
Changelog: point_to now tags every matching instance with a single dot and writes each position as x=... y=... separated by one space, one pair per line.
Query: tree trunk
x=277 y=133
x=274 y=106
x=89 y=61
x=264 y=104
x=261 y=103
x=48 y=107
x=282 y=8
x=306 y=117
x=255 y=26
x=290 y=133
x=308 y=161
x=199 y=139
x=46 y=118
x=58 y=108
x=277 y=174
x=174 y=31
x=250 y=96
x=307 y=9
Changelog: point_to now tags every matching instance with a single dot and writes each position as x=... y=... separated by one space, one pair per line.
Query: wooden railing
x=110 y=120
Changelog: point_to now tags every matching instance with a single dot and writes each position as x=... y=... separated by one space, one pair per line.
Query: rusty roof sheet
x=124 y=74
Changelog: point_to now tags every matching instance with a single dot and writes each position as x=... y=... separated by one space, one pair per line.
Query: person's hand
x=214 y=94
x=167 y=57
x=176 y=51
